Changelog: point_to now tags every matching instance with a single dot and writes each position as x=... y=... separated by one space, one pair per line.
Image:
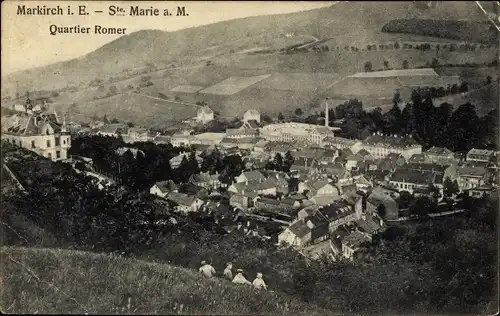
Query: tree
x=396 y=45
x=281 y=117
x=434 y=62
x=288 y=161
x=488 y=80
x=368 y=66
x=464 y=87
x=113 y=90
x=298 y=112
x=450 y=187
x=405 y=64
x=386 y=64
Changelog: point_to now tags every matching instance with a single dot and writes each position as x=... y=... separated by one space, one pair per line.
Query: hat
x=240 y=270
x=203 y=262
x=259 y=275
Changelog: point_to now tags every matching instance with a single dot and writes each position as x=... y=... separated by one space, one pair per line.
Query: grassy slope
x=97 y=283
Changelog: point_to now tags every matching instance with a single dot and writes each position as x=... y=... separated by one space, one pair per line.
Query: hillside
x=343 y=21
x=61 y=281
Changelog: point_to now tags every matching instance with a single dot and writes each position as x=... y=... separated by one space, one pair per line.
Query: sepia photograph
x=249 y=157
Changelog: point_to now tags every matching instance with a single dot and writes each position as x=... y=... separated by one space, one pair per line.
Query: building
x=113 y=130
x=250 y=176
x=410 y=179
x=240 y=133
x=379 y=146
x=136 y=134
x=439 y=155
x=205 y=115
x=297 y=132
x=480 y=155
x=338 y=213
x=184 y=203
x=163 y=188
x=40 y=133
x=298 y=234
x=352 y=243
x=341 y=143
x=469 y=177
x=251 y=115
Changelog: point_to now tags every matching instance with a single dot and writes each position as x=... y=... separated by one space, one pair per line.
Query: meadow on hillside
x=55 y=281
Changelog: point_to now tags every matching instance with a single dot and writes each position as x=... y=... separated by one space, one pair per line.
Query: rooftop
x=299 y=228
x=391 y=141
x=355 y=239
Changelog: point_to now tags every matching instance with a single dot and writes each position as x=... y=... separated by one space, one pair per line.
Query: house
x=260 y=146
x=184 y=203
x=162 y=188
x=482 y=191
x=204 y=115
x=40 y=133
x=352 y=243
x=113 y=130
x=352 y=161
x=280 y=179
x=240 y=133
x=297 y=234
x=370 y=224
x=379 y=146
x=363 y=153
x=479 y=155
x=338 y=213
x=471 y=176
x=341 y=143
x=240 y=201
x=206 y=180
x=409 y=179
x=319 y=227
x=250 y=176
x=439 y=155
x=251 y=115
x=319 y=187
x=362 y=183
x=135 y=134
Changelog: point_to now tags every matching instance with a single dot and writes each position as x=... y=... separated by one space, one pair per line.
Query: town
x=292 y=183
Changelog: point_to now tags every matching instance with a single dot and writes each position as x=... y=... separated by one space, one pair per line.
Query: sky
x=27 y=41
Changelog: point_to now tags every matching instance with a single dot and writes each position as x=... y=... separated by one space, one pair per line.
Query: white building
x=379 y=146
x=287 y=132
x=251 y=115
x=42 y=134
x=205 y=115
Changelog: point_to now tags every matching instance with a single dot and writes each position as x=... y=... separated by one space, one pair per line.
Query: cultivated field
x=54 y=281
x=233 y=85
x=298 y=81
x=186 y=89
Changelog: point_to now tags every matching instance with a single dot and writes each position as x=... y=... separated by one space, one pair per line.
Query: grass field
x=61 y=281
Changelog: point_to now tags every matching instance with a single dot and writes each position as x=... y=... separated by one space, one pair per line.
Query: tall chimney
x=326 y=113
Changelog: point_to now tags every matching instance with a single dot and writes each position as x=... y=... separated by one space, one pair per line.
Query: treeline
x=472 y=31
x=151 y=162
x=458 y=130
x=412 y=266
